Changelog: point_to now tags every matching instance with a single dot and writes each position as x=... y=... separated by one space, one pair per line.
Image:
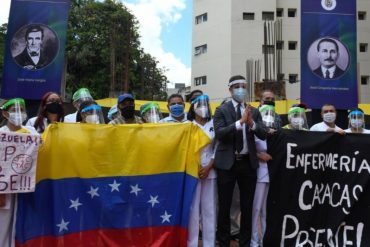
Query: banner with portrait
x=328 y=53
x=319 y=190
x=34 y=49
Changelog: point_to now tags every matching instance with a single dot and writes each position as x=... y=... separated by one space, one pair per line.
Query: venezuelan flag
x=104 y=185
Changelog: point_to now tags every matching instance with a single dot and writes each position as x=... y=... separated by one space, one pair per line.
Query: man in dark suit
x=328 y=53
x=33 y=57
x=235 y=159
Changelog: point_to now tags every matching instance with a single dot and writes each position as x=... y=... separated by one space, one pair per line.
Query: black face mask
x=266 y=102
x=54 y=108
x=128 y=111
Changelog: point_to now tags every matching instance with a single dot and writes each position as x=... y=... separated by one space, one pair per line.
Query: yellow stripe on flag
x=119 y=150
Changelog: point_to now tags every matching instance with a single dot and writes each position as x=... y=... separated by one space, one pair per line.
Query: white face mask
x=93 y=118
x=357 y=123
x=202 y=111
x=297 y=122
x=16 y=118
x=268 y=120
x=329 y=117
x=152 y=118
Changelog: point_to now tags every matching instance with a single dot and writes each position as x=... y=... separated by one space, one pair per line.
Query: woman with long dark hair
x=50 y=111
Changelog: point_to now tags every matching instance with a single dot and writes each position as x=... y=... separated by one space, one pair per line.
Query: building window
x=362 y=15
x=202 y=80
x=363 y=47
x=292 y=12
x=292 y=45
x=364 y=80
x=293 y=78
x=268 y=16
x=279 y=12
x=200 y=49
x=248 y=16
x=279 y=45
x=268 y=49
x=201 y=18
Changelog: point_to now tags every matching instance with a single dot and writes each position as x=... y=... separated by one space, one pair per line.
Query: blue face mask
x=239 y=94
x=177 y=110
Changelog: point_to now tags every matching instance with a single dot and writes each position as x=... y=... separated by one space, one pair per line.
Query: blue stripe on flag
x=104 y=203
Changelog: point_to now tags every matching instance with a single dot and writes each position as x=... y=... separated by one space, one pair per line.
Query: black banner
x=319 y=192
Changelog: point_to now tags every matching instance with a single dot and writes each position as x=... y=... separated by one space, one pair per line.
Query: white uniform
x=204 y=200
x=31 y=122
x=364 y=131
x=322 y=127
x=260 y=197
x=70 y=118
x=7 y=213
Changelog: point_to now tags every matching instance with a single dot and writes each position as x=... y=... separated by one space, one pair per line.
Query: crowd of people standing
x=231 y=194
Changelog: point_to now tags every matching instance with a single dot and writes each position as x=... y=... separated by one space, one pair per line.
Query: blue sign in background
x=338 y=24
x=33 y=84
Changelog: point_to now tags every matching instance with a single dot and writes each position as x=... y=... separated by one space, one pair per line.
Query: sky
x=165 y=30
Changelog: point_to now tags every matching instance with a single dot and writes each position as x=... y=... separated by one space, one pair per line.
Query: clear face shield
x=201 y=106
x=268 y=115
x=356 y=121
x=297 y=118
x=92 y=114
x=15 y=111
x=113 y=113
x=81 y=96
x=150 y=113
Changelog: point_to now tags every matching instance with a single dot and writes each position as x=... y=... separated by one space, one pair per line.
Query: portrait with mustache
x=328 y=54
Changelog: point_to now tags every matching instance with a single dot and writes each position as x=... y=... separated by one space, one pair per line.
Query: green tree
x=103 y=53
x=3 y=29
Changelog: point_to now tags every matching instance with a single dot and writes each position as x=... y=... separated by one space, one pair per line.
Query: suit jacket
x=24 y=60
x=224 y=123
x=337 y=73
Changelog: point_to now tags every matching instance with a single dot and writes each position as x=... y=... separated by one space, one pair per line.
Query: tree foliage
x=3 y=29
x=103 y=53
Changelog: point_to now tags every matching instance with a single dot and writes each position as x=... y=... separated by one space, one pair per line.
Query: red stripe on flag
x=165 y=236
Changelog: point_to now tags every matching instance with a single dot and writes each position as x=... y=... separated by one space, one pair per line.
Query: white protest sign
x=18 y=159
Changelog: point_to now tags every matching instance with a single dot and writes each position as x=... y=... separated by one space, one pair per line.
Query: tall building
x=226 y=34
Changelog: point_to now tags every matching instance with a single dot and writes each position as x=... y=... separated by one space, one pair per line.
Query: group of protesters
x=231 y=194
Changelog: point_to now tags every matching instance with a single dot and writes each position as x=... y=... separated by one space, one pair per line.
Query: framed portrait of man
x=34 y=46
x=328 y=58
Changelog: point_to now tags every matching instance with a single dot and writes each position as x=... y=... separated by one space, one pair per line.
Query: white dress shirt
x=331 y=71
x=240 y=126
